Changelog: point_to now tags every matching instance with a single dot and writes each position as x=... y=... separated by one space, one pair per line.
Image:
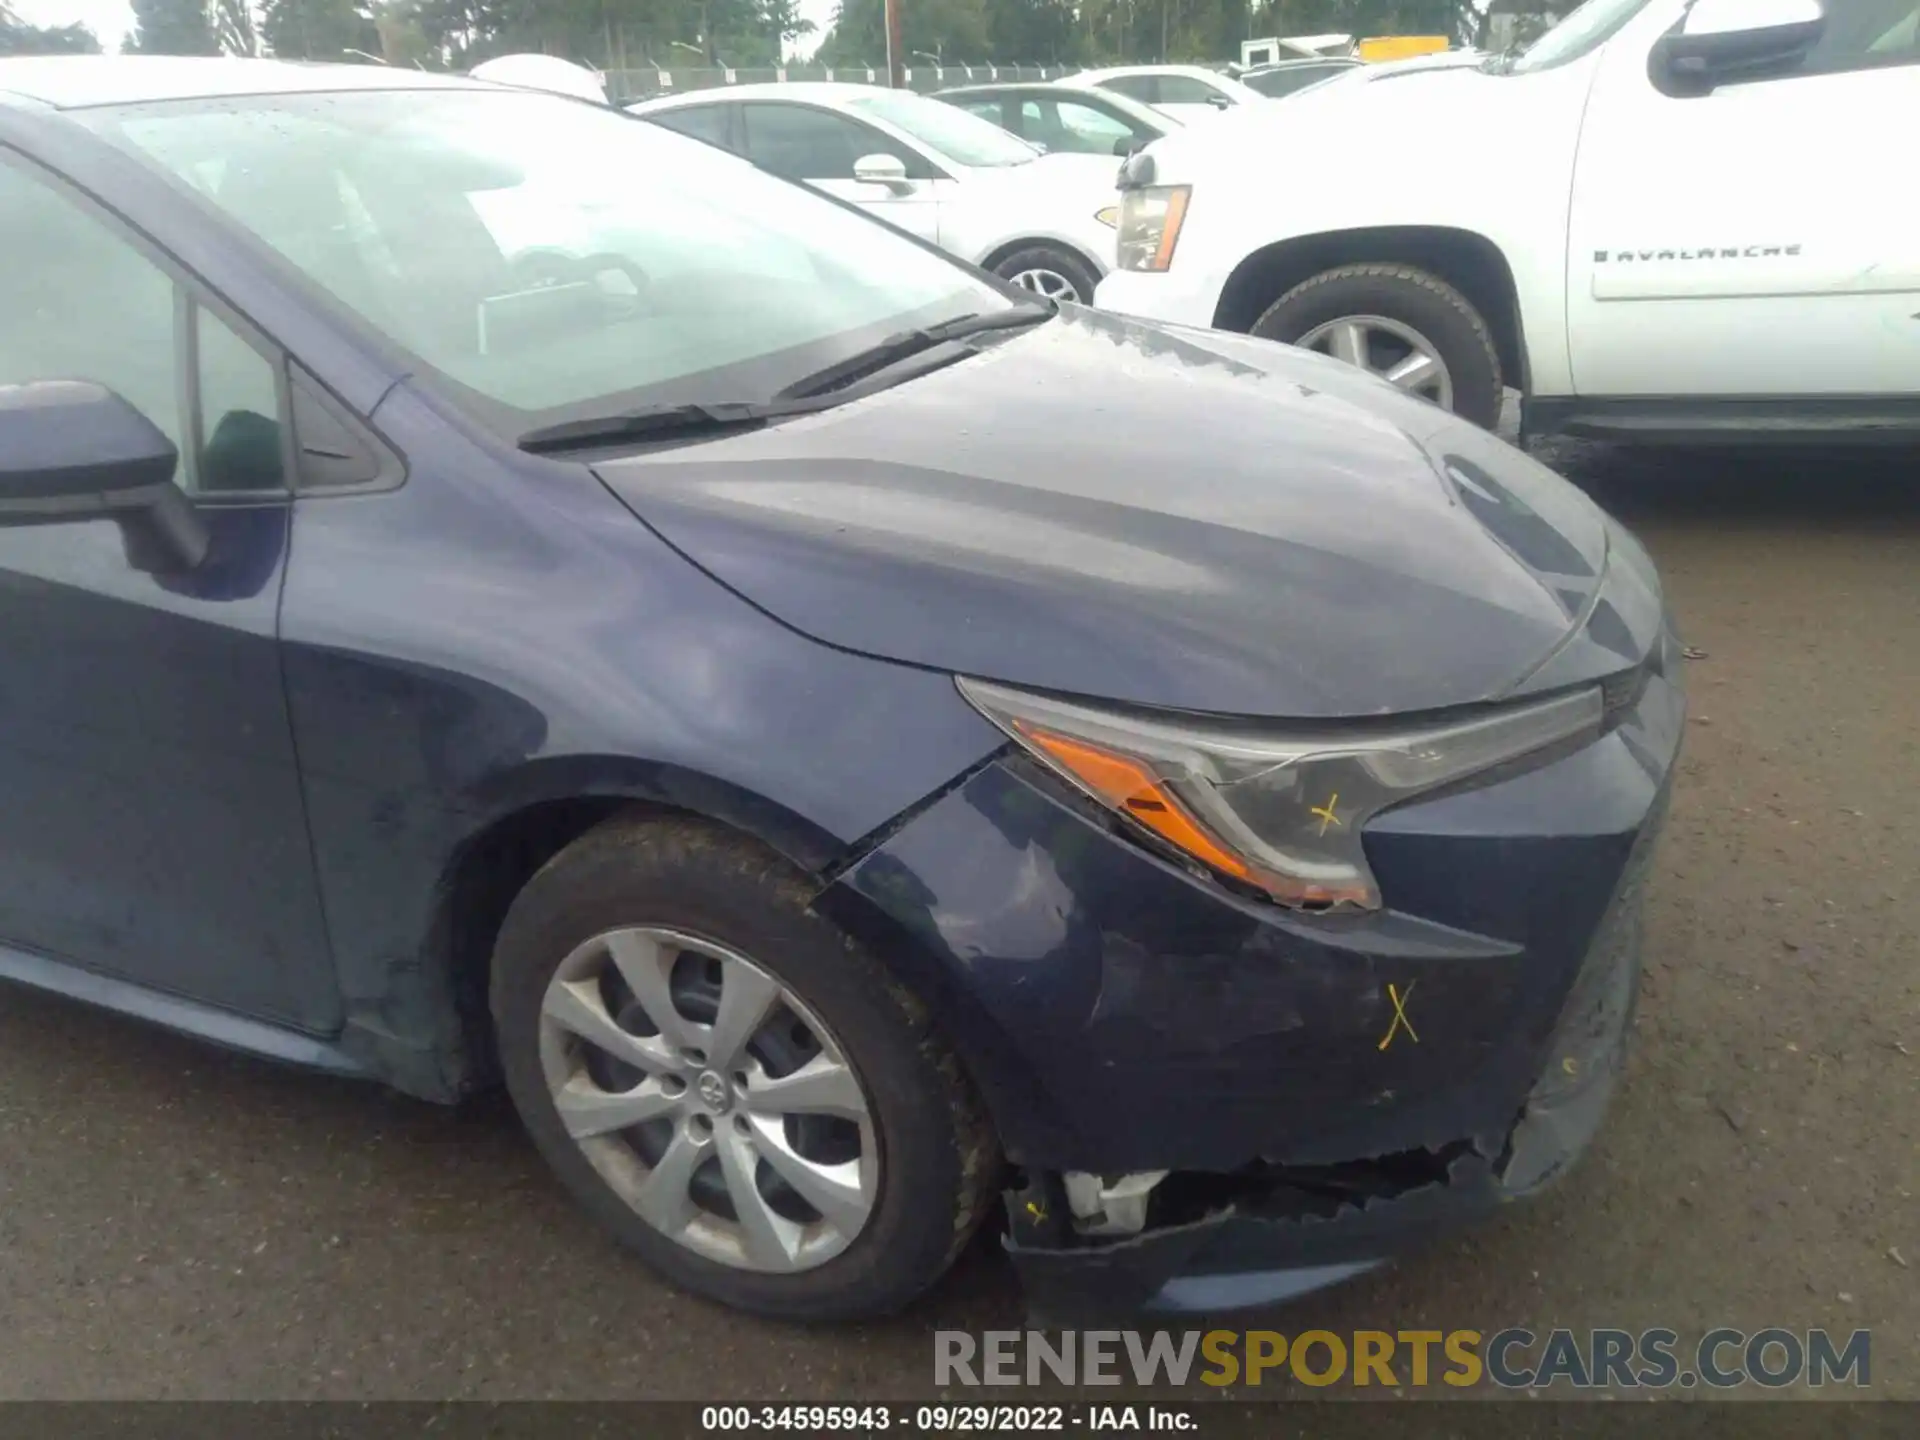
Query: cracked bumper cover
x=1255 y=1253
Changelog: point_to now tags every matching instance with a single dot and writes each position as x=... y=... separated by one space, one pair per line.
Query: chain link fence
x=626 y=86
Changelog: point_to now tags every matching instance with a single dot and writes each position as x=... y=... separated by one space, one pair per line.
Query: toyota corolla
x=491 y=589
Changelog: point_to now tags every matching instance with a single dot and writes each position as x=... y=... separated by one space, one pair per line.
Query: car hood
x=1087 y=174
x=1151 y=515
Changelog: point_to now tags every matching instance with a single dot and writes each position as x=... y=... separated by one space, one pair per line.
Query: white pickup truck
x=1666 y=220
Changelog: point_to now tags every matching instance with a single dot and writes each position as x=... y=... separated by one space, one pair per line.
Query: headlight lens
x=1150 y=222
x=1281 y=809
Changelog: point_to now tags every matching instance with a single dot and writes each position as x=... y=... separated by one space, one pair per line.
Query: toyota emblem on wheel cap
x=713 y=1089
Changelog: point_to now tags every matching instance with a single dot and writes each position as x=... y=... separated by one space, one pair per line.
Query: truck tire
x=1401 y=323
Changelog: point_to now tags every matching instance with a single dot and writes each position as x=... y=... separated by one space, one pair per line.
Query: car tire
x=1042 y=269
x=1410 y=303
x=936 y=1161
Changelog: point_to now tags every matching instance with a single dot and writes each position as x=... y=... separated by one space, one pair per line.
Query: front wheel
x=727 y=1082
x=1052 y=271
x=1409 y=327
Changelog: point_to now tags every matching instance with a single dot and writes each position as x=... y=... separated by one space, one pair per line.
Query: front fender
x=502 y=632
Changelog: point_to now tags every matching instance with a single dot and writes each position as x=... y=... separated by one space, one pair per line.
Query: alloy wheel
x=719 y=1107
x=1394 y=351
x=1050 y=283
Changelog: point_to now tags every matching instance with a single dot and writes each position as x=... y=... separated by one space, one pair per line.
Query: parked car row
x=1021 y=181
x=1652 y=279
x=961 y=185
x=1043 y=220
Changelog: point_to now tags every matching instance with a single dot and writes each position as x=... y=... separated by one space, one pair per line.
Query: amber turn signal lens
x=1170 y=230
x=1127 y=786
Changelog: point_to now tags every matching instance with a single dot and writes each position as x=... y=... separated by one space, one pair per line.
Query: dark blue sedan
x=491 y=589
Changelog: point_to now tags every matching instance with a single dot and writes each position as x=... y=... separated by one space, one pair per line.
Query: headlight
x=1150 y=221
x=1281 y=809
x=1108 y=215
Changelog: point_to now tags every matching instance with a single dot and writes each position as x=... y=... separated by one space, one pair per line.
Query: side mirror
x=1126 y=145
x=71 y=450
x=887 y=170
x=1720 y=42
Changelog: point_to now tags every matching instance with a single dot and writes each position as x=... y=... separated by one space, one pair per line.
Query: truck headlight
x=1150 y=221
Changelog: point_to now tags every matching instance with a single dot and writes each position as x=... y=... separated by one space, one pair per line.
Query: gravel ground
x=175 y=1222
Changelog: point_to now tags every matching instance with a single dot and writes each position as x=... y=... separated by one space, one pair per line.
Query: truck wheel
x=1402 y=324
x=1050 y=270
x=728 y=1083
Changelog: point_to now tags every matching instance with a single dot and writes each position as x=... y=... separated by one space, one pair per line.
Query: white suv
x=1186 y=92
x=1683 y=220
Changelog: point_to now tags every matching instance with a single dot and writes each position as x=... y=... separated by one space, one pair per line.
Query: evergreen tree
x=19 y=38
x=1026 y=31
x=171 y=27
x=955 y=30
x=233 y=27
x=784 y=23
x=318 y=29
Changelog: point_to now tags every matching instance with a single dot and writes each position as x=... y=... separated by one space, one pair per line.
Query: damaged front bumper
x=1274 y=1232
x=1286 y=1234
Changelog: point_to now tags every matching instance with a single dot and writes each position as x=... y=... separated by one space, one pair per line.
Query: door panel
x=917 y=213
x=1758 y=240
x=150 y=807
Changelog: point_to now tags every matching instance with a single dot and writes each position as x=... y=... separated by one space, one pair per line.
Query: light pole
x=895 y=47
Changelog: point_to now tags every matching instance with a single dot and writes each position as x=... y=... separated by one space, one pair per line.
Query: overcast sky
x=111 y=19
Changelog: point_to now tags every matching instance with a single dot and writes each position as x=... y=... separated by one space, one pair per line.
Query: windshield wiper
x=649 y=420
x=818 y=391
x=908 y=343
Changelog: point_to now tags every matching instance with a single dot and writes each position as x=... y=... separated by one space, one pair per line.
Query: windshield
x=963 y=138
x=551 y=259
x=1140 y=116
x=1586 y=29
x=1237 y=90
